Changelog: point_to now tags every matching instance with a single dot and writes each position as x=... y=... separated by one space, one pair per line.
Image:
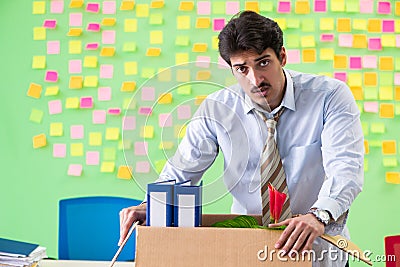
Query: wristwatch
x=321 y=215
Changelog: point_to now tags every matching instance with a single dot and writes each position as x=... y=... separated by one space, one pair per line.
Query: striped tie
x=272 y=171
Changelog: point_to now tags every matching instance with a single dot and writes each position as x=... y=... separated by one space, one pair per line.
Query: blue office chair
x=89 y=228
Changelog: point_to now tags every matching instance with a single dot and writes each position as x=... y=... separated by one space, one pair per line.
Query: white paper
x=186 y=210
x=158 y=208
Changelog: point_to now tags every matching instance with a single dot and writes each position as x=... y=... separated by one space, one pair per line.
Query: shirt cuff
x=330 y=205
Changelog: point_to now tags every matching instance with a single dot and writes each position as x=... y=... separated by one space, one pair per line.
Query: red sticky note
x=320 y=6
x=342 y=76
x=75 y=170
x=50 y=23
x=165 y=120
x=93 y=7
x=77 y=131
x=327 y=37
x=388 y=25
x=355 y=63
x=59 y=150
x=92 y=46
x=374 y=44
x=129 y=123
x=384 y=7
x=93 y=27
x=51 y=76
x=141 y=148
x=218 y=24
x=114 y=111
x=55 y=107
x=284 y=6
x=145 y=110
x=86 y=102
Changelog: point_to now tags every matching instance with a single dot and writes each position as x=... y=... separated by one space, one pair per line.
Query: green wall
x=33 y=181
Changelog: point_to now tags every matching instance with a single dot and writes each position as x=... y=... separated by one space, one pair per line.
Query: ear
x=283 y=56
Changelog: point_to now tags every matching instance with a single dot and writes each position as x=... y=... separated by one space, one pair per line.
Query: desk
x=73 y=263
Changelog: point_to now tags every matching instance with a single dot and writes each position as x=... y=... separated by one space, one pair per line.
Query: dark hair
x=249 y=31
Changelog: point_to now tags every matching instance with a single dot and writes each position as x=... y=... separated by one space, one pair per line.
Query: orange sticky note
x=370 y=78
x=397 y=9
x=302 y=7
x=157 y=4
x=75 y=3
x=340 y=62
x=359 y=41
x=39 y=141
x=203 y=75
x=186 y=5
x=203 y=23
x=389 y=147
x=199 y=99
x=366 y=146
x=108 y=22
x=252 y=6
x=386 y=110
x=128 y=86
x=75 y=82
x=386 y=63
x=127 y=5
x=357 y=92
x=153 y=52
x=397 y=93
x=74 y=32
x=124 y=172
x=393 y=177
x=165 y=98
x=343 y=25
x=35 y=90
x=199 y=47
x=309 y=55
x=107 y=52
x=374 y=25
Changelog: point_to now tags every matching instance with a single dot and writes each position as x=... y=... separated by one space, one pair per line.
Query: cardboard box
x=209 y=246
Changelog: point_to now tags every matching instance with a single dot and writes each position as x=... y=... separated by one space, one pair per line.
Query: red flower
x=276 y=201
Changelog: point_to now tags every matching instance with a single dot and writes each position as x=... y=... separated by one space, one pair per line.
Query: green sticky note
x=352 y=6
x=156 y=19
x=386 y=78
x=184 y=89
x=390 y=162
x=308 y=25
x=397 y=109
x=36 y=116
x=370 y=93
x=397 y=63
x=109 y=153
x=218 y=7
x=182 y=40
x=375 y=143
x=129 y=47
x=365 y=128
x=148 y=72
x=293 y=23
x=266 y=6
x=365 y=164
x=160 y=165
x=292 y=41
x=378 y=127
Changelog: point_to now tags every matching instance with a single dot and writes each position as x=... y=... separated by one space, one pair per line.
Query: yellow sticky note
x=156 y=37
x=76 y=149
x=95 y=139
x=39 y=141
x=370 y=78
x=343 y=25
x=374 y=25
x=282 y=22
x=359 y=41
x=51 y=91
x=386 y=110
x=142 y=10
x=309 y=55
x=91 y=81
x=108 y=21
x=72 y=103
x=326 y=24
x=302 y=7
x=112 y=133
x=182 y=75
x=90 y=62
x=39 y=7
x=389 y=147
x=127 y=5
x=360 y=24
x=183 y=22
x=308 y=41
x=386 y=63
x=34 y=90
x=130 y=25
x=164 y=75
x=252 y=6
x=199 y=99
x=39 y=62
x=203 y=75
x=147 y=131
x=39 y=33
x=199 y=47
x=56 y=129
x=76 y=3
x=75 y=47
x=326 y=53
x=393 y=177
x=385 y=93
x=388 y=40
x=355 y=79
x=203 y=23
x=165 y=98
x=180 y=131
x=181 y=58
x=340 y=62
x=130 y=68
x=366 y=146
x=107 y=166
x=214 y=42
x=338 y=5
x=75 y=82
x=74 y=32
x=107 y=52
x=124 y=172
x=153 y=52
x=166 y=145
x=186 y=5
x=357 y=92
x=128 y=86
x=157 y=4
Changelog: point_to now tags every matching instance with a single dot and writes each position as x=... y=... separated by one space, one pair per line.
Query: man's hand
x=128 y=216
x=299 y=234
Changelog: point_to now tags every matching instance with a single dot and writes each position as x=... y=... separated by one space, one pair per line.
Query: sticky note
x=99 y=117
x=112 y=133
x=76 y=3
x=52 y=23
x=148 y=93
x=56 y=129
x=320 y=6
x=164 y=74
x=340 y=62
x=114 y=111
x=374 y=25
x=355 y=79
x=108 y=37
x=293 y=56
x=203 y=75
x=142 y=10
x=74 y=170
x=370 y=78
x=388 y=26
x=366 y=147
x=90 y=62
x=53 y=47
x=90 y=81
x=397 y=93
x=57 y=6
x=203 y=8
x=180 y=131
x=107 y=166
x=109 y=153
x=386 y=110
x=77 y=131
x=183 y=22
x=218 y=7
x=165 y=98
x=51 y=76
x=386 y=93
x=107 y=52
x=127 y=5
x=108 y=21
x=156 y=19
x=76 y=149
x=147 y=131
x=199 y=99
x=153 y=52
x=326 y=54
x=166 y=145
x=374 y=44
x=302 y=7
x=186 y=6
x=130 y=68
x=252 y=6
x=359 y=24
x=109 y=7
x=386 y=63
x=92 y=157
x=128 y=86
x=343 y=25
x=370 y=62
x=75 y=47
x=389 y=40
x=359 y=41
x=184 y=89
x=38 y=7
x=129 y=47
x=142 y=167
x=95 y=139
x=203 y=23
x=326 y=24
x=384 y=7
x=199 y=47
x=141 y=148
x=352 y=6
x=129 y=123
x=34 y=90
x=182 y=75
x=145 y=111
x=36 y=116
x=371 y=107
x=59 y=150
x=327 y=37
x=130 y=25
x=218 y=24
x=397 y=79
x=72 y=103
x=39 y=141
x=389 y=162
x=342 y=76
x=232 y=7
x=106 y=71
x=389 y=147
x=308 y=41
x=75 y=19
x=93 y=27
x=309 y=55
x=307 y=25
x=93 y=7
x=182 y=40
x=156 y=37
x=337 y=5
x=184 y=112
x=39 y=62
x=181 y=58
x=75 y=66
x=293 y=23
x=284 y=7
x=74 y=32
x=357 y=92
x=86 y=102
x=165 y=120
x=392 y=177
x=355 y=62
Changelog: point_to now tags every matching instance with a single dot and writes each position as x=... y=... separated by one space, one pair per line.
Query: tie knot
x=271 y=125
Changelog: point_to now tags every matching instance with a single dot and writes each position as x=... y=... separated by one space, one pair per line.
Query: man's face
x=261 y=76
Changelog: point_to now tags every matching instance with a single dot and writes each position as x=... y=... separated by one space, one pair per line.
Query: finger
x=291 y=239
x=285 y=222
x=299 y=244
x=309 y=242
x=284 y=236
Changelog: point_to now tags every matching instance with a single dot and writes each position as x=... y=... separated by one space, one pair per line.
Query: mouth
x=261 y=91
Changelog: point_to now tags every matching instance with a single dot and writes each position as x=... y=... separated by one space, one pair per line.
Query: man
x=318 y=135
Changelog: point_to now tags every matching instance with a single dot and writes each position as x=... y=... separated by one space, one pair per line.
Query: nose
x=256 y=77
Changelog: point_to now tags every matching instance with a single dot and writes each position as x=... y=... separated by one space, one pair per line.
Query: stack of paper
x=20 y=254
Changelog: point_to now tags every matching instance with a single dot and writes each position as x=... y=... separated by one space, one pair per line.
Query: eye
x=264 y=63
x=241 y=69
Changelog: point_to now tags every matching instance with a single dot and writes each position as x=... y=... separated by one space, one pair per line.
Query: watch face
x=323 y=215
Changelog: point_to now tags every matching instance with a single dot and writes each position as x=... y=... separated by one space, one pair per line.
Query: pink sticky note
x=232 y=7
x=104 y=94
x=75 y=66
x=388 y=25
x=106 y=71
x=320 y=6
x=142 y=167
x=184 y=112
x=141 y=148
x=342 y=76
x=93 y=27
x=374 y=44
x=114 y=111
x=77 y=131
x=397 y=78
x=75 y=169
x=57 y=6
x=99 y=117
x=92 y=158
x=284 y=7
x=369 y=62
x=59 y=150
x=55 y=107
x=93 y=7
x=345 y=40
x=366 y=6
x=327 y=37
x=203 y=61
x=397 y=40
x=371 y=107
x=86 y=102
x=204 y=8
x=53 y=47
x=108 y=37
x=355 y=63
x=129 y=123
x=51 y=76
x=148 y=93
x=165 y=120
x=145 y=110
x=384 y=7
x=293 y=56
x=218 y=24
x=75 y=19
x=222 y=63
x=50 y=23
x=109 y=7
x=92 y=46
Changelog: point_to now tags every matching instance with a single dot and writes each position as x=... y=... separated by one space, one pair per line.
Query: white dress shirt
x=319 y=137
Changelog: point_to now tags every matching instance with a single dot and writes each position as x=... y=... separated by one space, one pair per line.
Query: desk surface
x=71 y=263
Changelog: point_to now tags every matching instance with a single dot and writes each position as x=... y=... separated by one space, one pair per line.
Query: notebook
x=15 y=248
